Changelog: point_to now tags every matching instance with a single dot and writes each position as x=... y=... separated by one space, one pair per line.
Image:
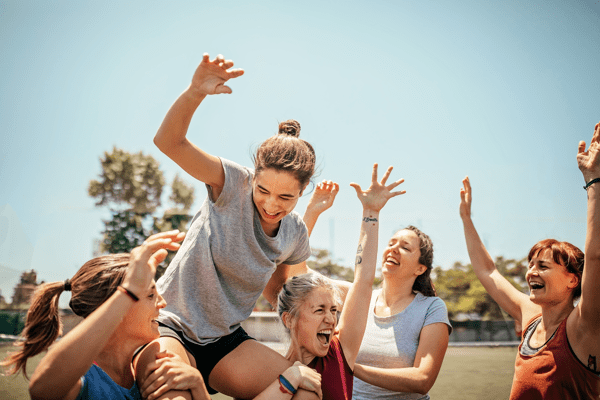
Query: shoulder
x=431 y=302
x=234 y=169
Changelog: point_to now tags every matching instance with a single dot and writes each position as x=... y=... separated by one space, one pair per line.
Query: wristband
x=128 y=293
x=285 y=386
x=590 y=183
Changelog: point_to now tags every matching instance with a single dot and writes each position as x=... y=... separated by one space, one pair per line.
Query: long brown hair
x=91 y=286
x=423 y=282
x=287 y=152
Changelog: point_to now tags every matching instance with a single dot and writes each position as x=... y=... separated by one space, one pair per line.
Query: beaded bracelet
x=285 y=386
x=128 y=293
x=591 y=182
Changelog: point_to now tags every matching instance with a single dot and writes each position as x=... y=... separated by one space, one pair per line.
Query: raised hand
x=589 y=161
x=145 y=258
x=377 y=195
x=170 y=372
x=323 y=197
x=210 y=76
x=465 y=199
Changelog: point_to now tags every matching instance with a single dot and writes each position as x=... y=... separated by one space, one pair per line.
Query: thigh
x=148 y=355
x=247 y=370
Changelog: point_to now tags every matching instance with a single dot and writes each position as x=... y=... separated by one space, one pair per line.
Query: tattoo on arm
x=368 y=219
x=592 y=363
x=360 y=249
x=358 y=260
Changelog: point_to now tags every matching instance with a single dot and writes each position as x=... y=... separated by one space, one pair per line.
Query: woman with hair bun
x=245 y=239
x=117 y=297
x=559 y=354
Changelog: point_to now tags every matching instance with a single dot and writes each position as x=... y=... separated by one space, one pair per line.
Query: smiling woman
x=559 y=351
x=308 y=304
x=117 y=297
x=245 y=237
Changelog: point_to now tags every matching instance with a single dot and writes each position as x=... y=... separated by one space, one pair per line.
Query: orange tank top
x=554 y=372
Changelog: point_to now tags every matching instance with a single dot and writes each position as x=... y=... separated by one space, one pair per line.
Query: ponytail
x=42 y=327
x=91 y=286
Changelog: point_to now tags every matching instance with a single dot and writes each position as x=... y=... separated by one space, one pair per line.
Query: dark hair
x=91 y=286
x=287 y=152
x=423 y=282
x=298 y=288
x=565 y=254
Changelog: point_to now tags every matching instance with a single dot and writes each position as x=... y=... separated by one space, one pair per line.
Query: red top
x=554 y=372
x=336 y=375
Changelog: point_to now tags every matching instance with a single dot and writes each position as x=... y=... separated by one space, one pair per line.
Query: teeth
x=325 y=332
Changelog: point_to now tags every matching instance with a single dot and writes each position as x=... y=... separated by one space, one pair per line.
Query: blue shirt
x=98 y=385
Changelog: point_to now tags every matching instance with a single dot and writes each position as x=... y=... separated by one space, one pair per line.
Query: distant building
x=25 y=288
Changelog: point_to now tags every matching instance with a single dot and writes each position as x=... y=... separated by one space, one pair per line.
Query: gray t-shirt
x=225 y=261
x=392 y=342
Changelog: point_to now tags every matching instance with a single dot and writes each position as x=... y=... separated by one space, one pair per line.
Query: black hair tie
x=67 y=285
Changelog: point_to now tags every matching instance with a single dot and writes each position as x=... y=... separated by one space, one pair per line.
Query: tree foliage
x=322 y=262
x=132 y=182
x=130 y=185
x=464 y=293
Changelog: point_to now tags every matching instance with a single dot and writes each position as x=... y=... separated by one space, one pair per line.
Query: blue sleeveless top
x=98 y=385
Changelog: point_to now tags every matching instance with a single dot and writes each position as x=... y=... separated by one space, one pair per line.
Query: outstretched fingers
x=374 y=173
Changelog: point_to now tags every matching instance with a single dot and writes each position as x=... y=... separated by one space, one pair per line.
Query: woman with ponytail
x=117 y=297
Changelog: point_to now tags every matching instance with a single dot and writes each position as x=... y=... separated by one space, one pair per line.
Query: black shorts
x=208 y=355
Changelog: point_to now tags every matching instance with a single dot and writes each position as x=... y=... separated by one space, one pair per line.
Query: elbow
x=424 y=384
x=37 y=391
x=161 y=143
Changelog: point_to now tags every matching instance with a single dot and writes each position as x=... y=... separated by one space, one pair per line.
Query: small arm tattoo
x=592 y=363
x=360 y=249
x=368 y=219
x=358 y=260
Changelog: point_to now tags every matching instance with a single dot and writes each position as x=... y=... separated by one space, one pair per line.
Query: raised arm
x=320 y=201
x=209 y=78
x=353 y=320
x=589 y=164
x=510 y=299
x=58 y=374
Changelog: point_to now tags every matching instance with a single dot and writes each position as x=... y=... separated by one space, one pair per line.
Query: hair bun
x=290 y=127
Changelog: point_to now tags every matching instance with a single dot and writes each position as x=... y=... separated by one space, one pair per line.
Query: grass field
x=467 y=373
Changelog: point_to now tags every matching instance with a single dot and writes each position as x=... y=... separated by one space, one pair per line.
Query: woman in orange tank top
x=559 y=355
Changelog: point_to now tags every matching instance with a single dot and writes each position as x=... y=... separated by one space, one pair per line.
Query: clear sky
x=499 y=91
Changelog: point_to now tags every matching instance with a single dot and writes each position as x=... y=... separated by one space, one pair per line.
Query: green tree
x=322 y=262
x=130 y=185
x=463 y=293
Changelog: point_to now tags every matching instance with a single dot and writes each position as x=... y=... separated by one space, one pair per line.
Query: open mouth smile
x=324 y=336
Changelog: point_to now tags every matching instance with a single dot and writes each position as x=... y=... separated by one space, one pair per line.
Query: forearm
x=70 y=358
x=310 y=219
x=480 y=258
x=592 y=239
x=174 y=128
x=409 y=379
x=366 y=254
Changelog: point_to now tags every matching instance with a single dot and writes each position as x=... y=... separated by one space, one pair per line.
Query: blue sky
x=499 y=91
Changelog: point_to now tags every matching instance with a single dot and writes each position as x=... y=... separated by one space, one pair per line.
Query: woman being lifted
x=245 y=232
